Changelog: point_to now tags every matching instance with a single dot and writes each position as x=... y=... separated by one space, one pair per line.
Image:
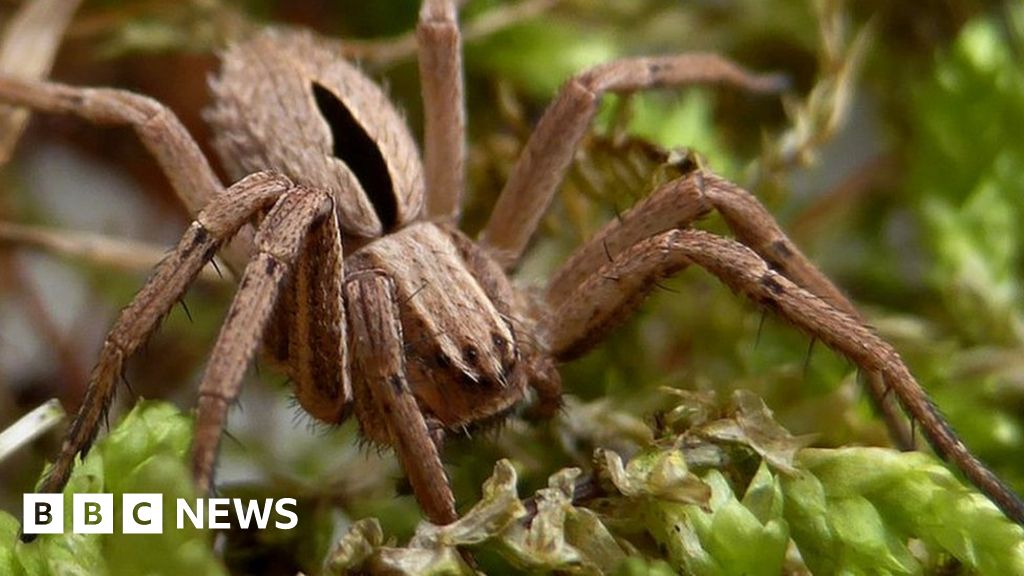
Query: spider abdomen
x=338 y=132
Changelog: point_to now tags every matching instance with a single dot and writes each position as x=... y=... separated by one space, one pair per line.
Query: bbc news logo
x=144 y=513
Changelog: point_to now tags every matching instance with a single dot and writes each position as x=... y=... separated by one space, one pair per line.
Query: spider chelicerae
x=356 y=281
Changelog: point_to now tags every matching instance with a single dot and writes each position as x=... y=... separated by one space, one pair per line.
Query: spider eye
x=354 y=147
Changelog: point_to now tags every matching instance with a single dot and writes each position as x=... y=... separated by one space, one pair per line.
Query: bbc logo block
x=92 y=514
x=43 y=514
x=144 y=513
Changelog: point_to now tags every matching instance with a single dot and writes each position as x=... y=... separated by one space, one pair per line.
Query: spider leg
x=755 y=227
x=379 y=362
x=310 y=327
x=547 y=384
x=279 y=241
x=550 y=149
x=158 y=128
x=678 y=204
x=440 y=59
x=172 y=276
x=160 y=131
x=630 y=275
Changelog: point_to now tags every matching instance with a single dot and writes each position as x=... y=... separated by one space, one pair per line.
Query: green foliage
x=703 y=540
x=964 y=158
x=854 y=510
x=145 y=453
x=965 y=168
x=539 y=56
x=847 y=510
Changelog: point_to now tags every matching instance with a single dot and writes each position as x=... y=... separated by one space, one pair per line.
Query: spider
x=356 y=281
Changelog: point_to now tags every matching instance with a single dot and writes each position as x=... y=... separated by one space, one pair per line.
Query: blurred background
x=894 y=163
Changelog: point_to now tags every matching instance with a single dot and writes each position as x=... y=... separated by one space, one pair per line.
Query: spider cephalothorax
x=358 y=284
x=453 y=305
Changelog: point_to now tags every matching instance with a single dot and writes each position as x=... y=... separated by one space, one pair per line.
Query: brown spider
x=355 y=280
